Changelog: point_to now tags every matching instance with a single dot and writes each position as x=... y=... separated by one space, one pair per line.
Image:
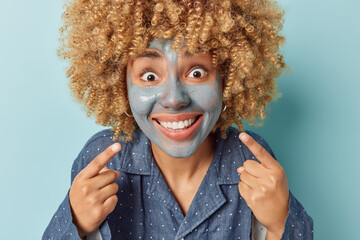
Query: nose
x=175 y=95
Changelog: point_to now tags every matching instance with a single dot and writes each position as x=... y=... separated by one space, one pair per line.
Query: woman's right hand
x=92 y=195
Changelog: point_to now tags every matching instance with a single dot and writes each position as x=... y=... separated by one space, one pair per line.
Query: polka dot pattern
x=147 y=209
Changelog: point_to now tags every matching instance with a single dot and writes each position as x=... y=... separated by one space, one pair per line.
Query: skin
x=263 y=185
x=92 y=195
x=264 y=188
x=174 y=92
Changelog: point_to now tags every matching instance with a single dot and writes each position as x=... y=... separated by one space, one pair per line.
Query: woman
x=171 y=77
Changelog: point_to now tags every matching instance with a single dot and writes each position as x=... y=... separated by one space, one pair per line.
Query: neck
x=185 y=169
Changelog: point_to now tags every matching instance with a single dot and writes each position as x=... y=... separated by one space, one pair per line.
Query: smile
x=178 y=127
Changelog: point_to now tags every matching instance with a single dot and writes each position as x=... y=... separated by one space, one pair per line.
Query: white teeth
x=178 y=125
x=186 y=123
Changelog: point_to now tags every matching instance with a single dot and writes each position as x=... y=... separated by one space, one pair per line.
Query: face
x=176 y=99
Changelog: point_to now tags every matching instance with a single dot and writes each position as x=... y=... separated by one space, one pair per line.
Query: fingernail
x=240 y=169
x=115 y=147
x=104 y=169
x=244 y=137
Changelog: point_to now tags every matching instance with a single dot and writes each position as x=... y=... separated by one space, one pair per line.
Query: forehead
x=164 y=47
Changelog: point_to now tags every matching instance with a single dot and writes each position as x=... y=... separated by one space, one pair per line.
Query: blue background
x=313 y=129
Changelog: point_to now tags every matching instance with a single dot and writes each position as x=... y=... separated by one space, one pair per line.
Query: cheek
x=208 y=96
x=140 y=100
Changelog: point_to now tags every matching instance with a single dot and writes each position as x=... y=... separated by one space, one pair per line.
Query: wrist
x=276 y=230
x=274 y=235
x=81 y=233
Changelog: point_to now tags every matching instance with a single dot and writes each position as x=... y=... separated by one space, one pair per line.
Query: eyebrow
x=150 y=54
x=187 y=54
x=154 y=54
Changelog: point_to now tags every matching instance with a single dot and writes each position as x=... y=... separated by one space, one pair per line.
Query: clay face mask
x=176 y=99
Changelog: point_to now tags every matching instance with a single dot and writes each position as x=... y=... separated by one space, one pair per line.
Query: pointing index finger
x=259 y=151
x=99 y=162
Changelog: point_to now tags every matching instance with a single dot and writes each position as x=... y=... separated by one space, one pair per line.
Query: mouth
x=178 y=127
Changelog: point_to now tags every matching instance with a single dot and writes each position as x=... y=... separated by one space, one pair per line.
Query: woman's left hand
x=264 y=188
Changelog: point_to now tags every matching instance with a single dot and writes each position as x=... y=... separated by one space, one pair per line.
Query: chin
x=180 y=150
x=180 y=153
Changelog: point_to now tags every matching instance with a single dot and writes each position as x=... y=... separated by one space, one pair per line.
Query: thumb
x=104 y=169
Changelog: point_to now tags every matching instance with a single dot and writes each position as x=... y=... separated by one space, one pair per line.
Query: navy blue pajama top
x=147 y=209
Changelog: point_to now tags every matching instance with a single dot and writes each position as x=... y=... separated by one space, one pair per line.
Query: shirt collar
x=230 y=156
x=137 y=156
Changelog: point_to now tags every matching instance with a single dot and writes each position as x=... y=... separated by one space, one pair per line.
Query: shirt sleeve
x=298 y=224
x=61 y=225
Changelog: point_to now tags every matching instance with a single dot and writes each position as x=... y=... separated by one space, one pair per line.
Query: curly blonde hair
x=99 y=37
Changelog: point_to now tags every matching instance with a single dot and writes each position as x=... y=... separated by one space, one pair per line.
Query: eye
x=197 y=73
x=149 y=77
